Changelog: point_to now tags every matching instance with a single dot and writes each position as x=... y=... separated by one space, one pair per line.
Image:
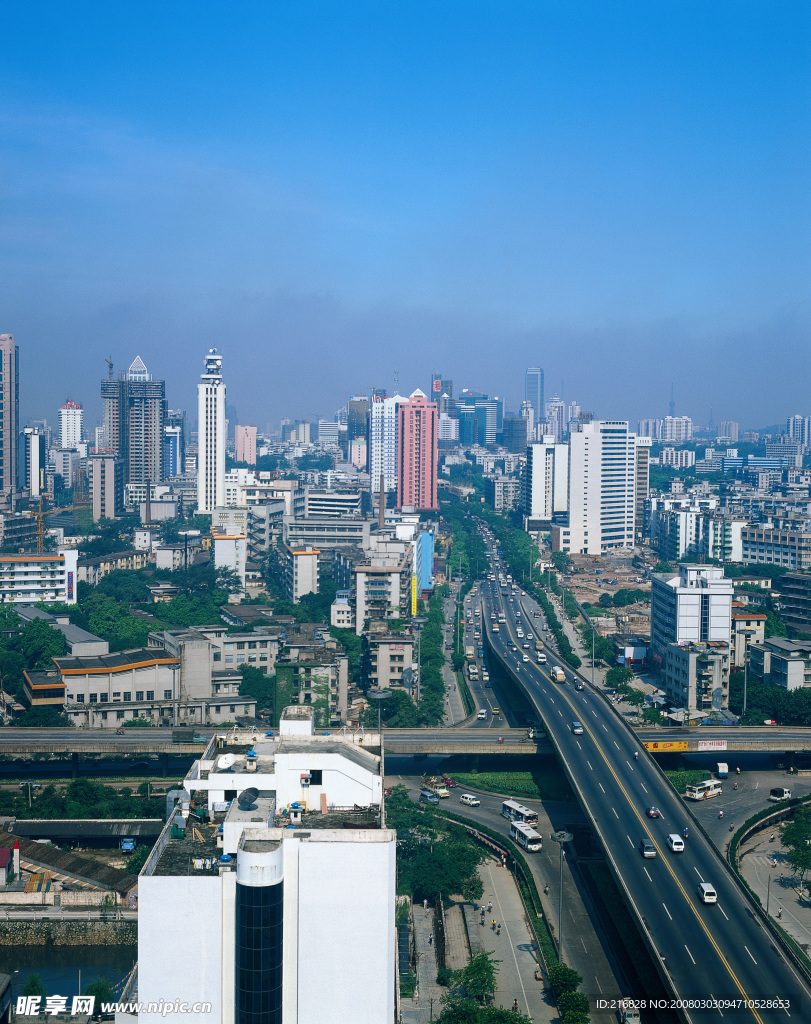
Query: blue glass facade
x=258 y=997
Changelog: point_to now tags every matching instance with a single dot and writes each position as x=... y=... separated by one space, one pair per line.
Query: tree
x=102 y=989
x=137 y=859
x=573 y=1001
x=652 y=716
x=34 y=986
x=634 y=697
x=619 y=675
x=38 y=643
x=563 y=979
x=43 y=718
x=472 y=888
x=257 y=685
x=795 y=835
x=663 y=567
x=561 y=561
x=478 y=977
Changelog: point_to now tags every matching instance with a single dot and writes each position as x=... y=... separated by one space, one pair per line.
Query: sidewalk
x=426 y=1002
x=787 y=904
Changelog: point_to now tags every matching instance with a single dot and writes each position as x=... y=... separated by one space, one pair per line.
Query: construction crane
x=109 y=363
x=41 y=521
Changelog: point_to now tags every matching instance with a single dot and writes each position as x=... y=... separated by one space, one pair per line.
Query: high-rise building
x=798 y=428
x=729 y=429
x=514 y=434
x=70 y=425
x=440 y=386
x=9 y=417
x=545 y=483
x=175 y=442
x=383 y=442
x=245 y=444
x=534 y=390
x=357 y=418
x=31 y=462
x=602 y=489
x=417 y=453
x=134 y=421
x=211 y=430
x=677 y=429
x=529 y=414
x=556 y=415
x=106 y=486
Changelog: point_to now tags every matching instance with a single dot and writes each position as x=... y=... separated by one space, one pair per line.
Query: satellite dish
x=227 y=761
x=247 y=798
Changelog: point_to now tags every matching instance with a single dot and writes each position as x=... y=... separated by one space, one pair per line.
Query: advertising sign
x=413 y=593
x=712 y=744
x=665 y=746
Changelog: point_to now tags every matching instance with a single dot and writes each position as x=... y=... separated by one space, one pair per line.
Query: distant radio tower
x=712 y=424
x=396 y=382
x=672 y=405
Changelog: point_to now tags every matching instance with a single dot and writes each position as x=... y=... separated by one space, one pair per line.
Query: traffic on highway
x=710 y=942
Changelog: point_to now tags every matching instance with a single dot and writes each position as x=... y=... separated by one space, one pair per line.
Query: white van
x=779 y=793
x=707 y=893
x=675 y=842
x=471 y=801
x=577 y=728
x=482 y=715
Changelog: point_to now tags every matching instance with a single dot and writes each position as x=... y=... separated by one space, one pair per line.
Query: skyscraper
x=134 y=421
x=357 y=417
x=417 y=453
x=533 y=390
x=245 y=444
x=211 y=429
x=31 y=462
x=383 y=442
x=70 y=425
x=9 y=417
x=175 y=442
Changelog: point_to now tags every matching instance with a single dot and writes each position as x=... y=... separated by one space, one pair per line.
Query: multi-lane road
x=720 y=958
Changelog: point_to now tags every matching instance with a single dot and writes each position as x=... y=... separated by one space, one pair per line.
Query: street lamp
x=560 y=838
x=379 y=694
x=745 y=633
x=419 y=621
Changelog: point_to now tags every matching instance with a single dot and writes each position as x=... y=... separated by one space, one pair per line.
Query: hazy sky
x=330 y=192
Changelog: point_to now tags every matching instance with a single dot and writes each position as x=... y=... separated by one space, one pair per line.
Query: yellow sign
x=663 y=746
x=414 y=593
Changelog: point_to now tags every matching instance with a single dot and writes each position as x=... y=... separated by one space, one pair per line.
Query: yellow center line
x=664 y=860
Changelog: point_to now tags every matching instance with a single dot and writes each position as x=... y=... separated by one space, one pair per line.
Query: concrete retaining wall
x=68 y=933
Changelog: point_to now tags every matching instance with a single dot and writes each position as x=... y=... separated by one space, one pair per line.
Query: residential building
x=383 y=442
x=556 y=417
x=303 y=885
x=67 y=464
x=107 y=474
x=782 y=662
x=31 y=579
x=696 y=676
x=211 y=435
x=798 y=429
x=357 y=418
x=245 y=444
x=677 y=458
x=230 y=544
x=317 y=677
x=383 y=583
x=134 y=422
x=257 y=487
x=693 y=605
x=297 y=570
x=795 y=601
x=9 y=418
x=18 y=532
x=778 y=542
x=93 y=570
x=790 y=451
x=729 y=430
x=748 y=628
x=641 y=484
x=329 y=433
x=384 y=658
x=31 y=462
x=71 y=426
x=417 y=453
x=502 y=492
x=447 y=427
x=602 y=489
x=514 y=434
x=175 y=435
x=545 y=482
x=342 y=611
x=676 y=429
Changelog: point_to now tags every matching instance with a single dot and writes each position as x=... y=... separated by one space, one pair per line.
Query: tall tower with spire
x=211 y=429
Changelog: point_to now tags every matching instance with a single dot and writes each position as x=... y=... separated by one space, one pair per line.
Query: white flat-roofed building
x=693 y=605
x=29 y=579
x=292 y=920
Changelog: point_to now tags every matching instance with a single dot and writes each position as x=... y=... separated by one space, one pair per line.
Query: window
x=116 y=696
x=128 y=695
x=104 y=716
x=315 y=776
x=167 y=694
x=94 y=698
x=150 y=694
x=139 y=694
x=232 y=708
x=104 y=698
x=218 y=655
x=241 y=647
x=119 y=715
x=80 y=698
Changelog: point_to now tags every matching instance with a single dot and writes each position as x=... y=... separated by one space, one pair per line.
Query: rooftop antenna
x=396 y=382
x=672 y=406
x=109 y=363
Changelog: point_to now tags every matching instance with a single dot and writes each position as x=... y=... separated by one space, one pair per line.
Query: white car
x=526 y=657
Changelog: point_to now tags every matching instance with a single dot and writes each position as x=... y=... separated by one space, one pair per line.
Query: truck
x=469 y=653
x=473 y=671
x=723 y=770
x=127 y=844
x=436 y=786
x=557 y=674
x=539 y=645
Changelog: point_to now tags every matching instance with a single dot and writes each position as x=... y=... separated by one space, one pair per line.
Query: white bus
x=526 y=837
x=514 y=811
x=703 y=790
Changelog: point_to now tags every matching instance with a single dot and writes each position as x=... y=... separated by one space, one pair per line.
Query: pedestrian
x=781 y=877
x=779 y=913
x=425 y=905
x=489 y=906
x=515 y=1006
x=735 y=785
x=493 y=926
x=498 y=929
x=430 y=940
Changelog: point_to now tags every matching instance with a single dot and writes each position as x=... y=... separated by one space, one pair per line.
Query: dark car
x=653 y=812
x=579 y=686
x=647 y=849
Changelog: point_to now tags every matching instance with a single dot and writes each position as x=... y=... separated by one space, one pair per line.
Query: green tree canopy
x=477 y=978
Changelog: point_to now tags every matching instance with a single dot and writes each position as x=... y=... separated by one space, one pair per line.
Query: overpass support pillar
x=164 y=765
x=74 y=765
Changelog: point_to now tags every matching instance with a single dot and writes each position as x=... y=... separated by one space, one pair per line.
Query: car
x=496 y=710
x=515 y=649
x=653 y=812
x=579 y=686
x=647 y=849
x=449 y=781
x=707 y=893
x=469 y=799
x=448 y=647
x=530 y=636
x=525 y=646
x=526 y=657
x=427 y=797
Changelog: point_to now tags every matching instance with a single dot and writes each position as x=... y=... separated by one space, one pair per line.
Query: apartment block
x=29 y=579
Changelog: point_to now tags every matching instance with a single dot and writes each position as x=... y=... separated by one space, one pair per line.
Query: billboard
x=665 y=746
x=712 y=744
x=413 y=593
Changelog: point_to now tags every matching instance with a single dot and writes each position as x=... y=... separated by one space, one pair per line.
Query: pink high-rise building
x=417 y=421
x=245 y=444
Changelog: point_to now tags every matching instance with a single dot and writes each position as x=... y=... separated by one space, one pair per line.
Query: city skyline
x=363 y=194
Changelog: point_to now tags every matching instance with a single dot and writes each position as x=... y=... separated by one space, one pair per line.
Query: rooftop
x=117 y=662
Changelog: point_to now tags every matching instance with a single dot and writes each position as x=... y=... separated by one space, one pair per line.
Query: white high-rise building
x=211 y=430
x=545 y=485
x=383 y=442
x=602 y=489
x=70 y=425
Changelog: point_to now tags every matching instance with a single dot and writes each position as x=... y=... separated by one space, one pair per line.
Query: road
x=721 y=952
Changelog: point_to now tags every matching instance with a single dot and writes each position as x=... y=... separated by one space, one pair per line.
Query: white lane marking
x=667 y=911
x=690 y=955
x=646 y=872
x=722 y=911
x=615 y=814
x=616 y=744
x=698 y=873
x=589 y=764
x=601 y=786
x=594 y=712
x=560 y=713
x=629 y=839
x=642 y=784
x=750 y=955
x=578 y=743
x=630 y=765
x=605 y=726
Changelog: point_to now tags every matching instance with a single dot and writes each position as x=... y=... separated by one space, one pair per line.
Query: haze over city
x=330 y=193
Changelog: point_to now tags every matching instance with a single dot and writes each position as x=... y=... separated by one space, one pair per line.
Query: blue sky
x=332 y=192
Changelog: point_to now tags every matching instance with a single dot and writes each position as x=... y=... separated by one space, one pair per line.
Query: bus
x=514 y=811
x=525 y=836
x=703 y=790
